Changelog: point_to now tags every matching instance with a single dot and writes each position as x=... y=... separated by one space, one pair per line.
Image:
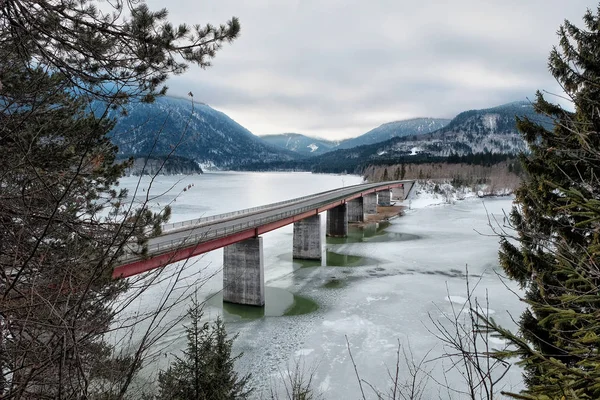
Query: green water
x=278 y=303
x=333 y=259
x=358 y=234
x=372 y=233
x=375 y=232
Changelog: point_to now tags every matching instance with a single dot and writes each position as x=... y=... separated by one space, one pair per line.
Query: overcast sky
x=338 y=68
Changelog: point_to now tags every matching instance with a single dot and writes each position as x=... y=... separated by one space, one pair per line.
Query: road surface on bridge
x=206 y=234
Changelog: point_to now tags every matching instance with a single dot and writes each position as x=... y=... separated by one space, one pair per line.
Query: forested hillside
x=192 y=130
x=387 y=131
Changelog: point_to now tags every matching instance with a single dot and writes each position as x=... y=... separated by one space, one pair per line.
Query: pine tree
x=56 y=245
x=385 y=176
x=556 y=217
x=206 y=370
x=63 y=221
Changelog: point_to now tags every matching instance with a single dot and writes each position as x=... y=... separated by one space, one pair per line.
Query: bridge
x=239 y=233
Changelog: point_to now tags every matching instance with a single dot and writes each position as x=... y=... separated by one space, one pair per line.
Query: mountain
x=415 y=126
x=300 y=144
x=308 y=146
x=197 y=132
x=491 y=130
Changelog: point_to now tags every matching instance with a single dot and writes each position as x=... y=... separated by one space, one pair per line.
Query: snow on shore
x=434 y=193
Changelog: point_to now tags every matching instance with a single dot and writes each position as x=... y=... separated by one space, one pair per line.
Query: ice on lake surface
x=381 y=286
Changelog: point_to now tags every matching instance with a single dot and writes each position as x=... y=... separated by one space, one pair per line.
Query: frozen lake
x=380 y=286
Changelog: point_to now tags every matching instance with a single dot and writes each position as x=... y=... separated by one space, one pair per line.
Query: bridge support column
x=337 y=221
x=307 y=238
x=243 y=273
x=398 y=193
x=370 y=203
x=356 y=210
x=384 y=198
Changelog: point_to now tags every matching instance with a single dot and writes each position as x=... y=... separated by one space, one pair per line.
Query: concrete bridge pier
x=384 y=198
x=243 y=273
x=370 y=203
x=398 y=193
x=356 y=210
x=337 y=221
x=307 y=238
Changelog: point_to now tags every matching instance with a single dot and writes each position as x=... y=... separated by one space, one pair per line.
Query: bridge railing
x=163 y=247
x=133 y=251
x=202 y=220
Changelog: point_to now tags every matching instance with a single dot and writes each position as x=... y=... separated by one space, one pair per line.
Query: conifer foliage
x=63 y=221
x=557 y=214
x=205 y=371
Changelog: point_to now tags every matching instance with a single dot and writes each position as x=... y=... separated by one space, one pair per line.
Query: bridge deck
x=206 y=234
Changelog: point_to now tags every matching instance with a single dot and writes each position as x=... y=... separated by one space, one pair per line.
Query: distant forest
x=503 y=177
x=358 y=165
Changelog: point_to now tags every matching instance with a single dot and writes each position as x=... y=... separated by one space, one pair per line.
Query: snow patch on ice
x=371 y=299
x=303 y=352
x=456 y=299
x=325 y=384
x=351 y=325
x=462 y=300
x=482 y=311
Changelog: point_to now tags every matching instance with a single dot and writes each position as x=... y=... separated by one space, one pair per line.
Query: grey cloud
x=338 y=68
